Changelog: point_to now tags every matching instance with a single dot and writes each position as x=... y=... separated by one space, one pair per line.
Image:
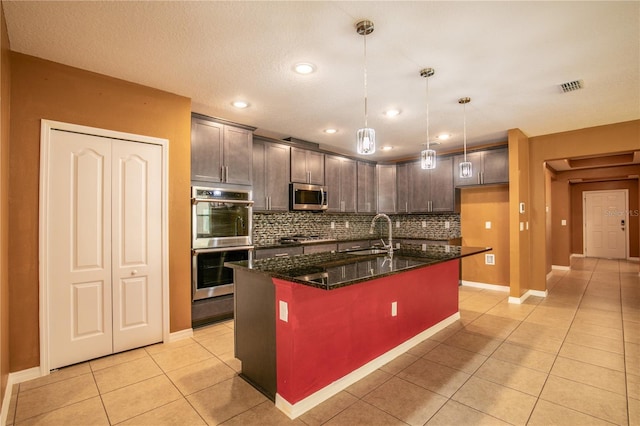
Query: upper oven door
x=221 y=223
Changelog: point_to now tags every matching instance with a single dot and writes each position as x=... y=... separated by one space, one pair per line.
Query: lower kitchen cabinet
x=319 y=248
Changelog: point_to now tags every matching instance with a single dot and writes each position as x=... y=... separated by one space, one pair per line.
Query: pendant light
x=366 y=137
x=466 y=170
x=427 y=156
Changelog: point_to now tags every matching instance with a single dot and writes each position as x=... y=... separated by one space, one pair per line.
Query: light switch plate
x=333 y=225
x=424 y=223
x=522 y=226
x=394 y=309
x=564 y=222
x=487 y=225
x=346 y=224
x=397 y=224
x=447 y=224
x=521 y=207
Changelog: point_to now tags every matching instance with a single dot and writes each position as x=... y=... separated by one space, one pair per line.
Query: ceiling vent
x=571 y=86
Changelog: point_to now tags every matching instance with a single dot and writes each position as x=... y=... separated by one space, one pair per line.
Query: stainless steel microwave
x=307 y=197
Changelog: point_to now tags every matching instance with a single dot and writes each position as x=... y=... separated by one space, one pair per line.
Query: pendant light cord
x=464 y=124
x=427 y=112
x=365 y=80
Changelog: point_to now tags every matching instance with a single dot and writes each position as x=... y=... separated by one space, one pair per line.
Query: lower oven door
x=210 y=278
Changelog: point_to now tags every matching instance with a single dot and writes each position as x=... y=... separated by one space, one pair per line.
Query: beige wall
x=5 y=95
x=478 y=206
x=593 y=141
x=46 y=90
x=560 y=210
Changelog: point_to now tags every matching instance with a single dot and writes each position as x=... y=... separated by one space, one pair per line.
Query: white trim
x=525 y=296
x=634 y=259
x=560 y=268
x=46 y=126
x=485 y=286
x=577 y=255
x=550 y=274
x=180 y=335
x=301 y=407
x=12 y=379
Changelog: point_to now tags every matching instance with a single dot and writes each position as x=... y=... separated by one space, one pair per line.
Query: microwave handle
x=324 y=195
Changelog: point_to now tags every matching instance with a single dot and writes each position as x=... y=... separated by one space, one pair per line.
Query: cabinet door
x=476 y=168
x=348 y=185
x=386 y=188
x=402 y=188
x=299 y=165
x=366 y=187
x=206 y=150
x=333 y=167
x=260 y=181
x=315 y=167
x=441 y=186
x=237 y=155
x=496 y=166
x=419 y=188
x=277 y=176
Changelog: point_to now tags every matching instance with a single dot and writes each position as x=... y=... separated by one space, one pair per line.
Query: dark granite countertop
x=333 y=270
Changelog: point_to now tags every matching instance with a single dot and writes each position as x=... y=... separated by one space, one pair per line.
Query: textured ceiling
x=509 y=57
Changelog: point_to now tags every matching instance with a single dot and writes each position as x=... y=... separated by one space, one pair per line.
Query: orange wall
x=5 y=95
x=478 y=206
x=576 y=211
x=561 y=210
x=592 y=141
x=46 y=90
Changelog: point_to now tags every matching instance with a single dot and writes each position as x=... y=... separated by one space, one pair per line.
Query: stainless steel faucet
x=389 y=246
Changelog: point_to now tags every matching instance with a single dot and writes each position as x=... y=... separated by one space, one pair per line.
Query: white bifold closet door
x=104 y=240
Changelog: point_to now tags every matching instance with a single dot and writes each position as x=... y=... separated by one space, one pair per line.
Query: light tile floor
x=572 y=358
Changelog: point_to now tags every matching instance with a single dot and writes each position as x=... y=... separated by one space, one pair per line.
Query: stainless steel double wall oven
x=221 y=223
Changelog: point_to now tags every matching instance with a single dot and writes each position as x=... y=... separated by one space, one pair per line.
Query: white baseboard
x=525 y=296
x=634 y=259
x=180 y=335
x=485 y=286
x=576 y=255
x=301 y=407
x=550 y=274
x=12 y=379
x=560 y=268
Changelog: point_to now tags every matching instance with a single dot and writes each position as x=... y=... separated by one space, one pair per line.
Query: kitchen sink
x=368 y=251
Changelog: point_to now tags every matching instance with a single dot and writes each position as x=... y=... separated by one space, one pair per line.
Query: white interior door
x=104 y=252
x=605 y=224
x=136 y=247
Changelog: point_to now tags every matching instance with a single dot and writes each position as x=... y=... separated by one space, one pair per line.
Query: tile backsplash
x=268 y=228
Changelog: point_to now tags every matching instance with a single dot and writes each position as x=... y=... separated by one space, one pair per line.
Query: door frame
x=626 y=218
x=46 y=127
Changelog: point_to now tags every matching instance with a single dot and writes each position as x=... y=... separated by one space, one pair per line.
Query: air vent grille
x=570 y=86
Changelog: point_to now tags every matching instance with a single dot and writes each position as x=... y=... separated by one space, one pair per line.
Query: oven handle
x=195 y=252
x=219 y=200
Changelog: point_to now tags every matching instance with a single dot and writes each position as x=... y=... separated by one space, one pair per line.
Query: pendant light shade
x=466 y=168
x=365 y=137
x=428 y=155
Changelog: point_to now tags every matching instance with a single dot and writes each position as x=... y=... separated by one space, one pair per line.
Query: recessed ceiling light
x=387 y=148
x=443 y=136
x=240 y=104
x=304 y=68
x=330 y=131
x=392 y=112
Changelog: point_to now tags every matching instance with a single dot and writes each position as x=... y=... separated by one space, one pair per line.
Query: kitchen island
x=307 y=327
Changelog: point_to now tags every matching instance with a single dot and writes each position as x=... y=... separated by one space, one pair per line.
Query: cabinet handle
x=226 y=173
x=308 y=177
x=406 y=206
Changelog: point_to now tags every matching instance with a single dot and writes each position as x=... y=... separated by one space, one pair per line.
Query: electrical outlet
x=424 y=247
x=522 y=226
x=447 y=224
x=333 y=225
x=346 y=224
x=564 y=222
x=394 y=309
x=424 y=223
x=397 y=224
x=490 y=259
x=487 y=225
x=284 y=310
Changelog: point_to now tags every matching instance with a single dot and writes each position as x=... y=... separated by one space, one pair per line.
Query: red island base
x=328 y=340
